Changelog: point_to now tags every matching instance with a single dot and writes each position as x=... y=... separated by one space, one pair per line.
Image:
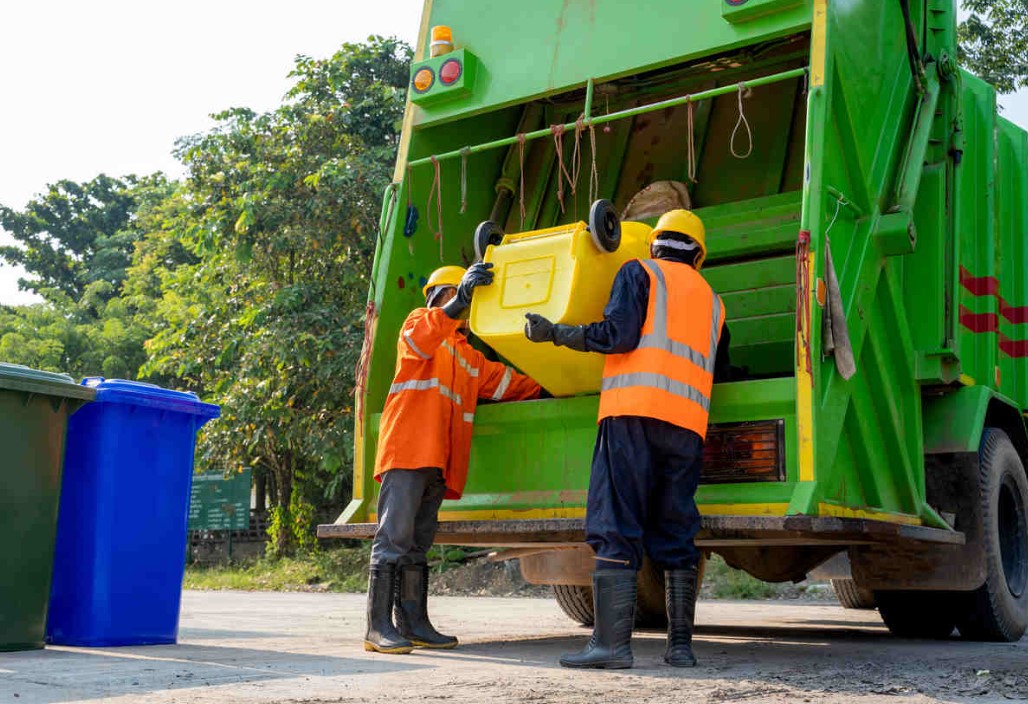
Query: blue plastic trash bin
x=121 y=530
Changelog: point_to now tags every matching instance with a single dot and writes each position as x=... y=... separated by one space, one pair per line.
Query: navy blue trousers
x=642 y=494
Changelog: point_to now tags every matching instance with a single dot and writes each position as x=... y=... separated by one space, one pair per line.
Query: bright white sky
x=106 y=86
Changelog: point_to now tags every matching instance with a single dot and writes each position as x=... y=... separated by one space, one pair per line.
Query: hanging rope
x=576 y=161
x=464 y=179
x=521 y=181
x=558 y=142
x=838 y=206
x=576 y=157
x=436 y=192
x=743 y=92
x=803 y=301
x=692 y=143
x=594 y=176
x=363 y=362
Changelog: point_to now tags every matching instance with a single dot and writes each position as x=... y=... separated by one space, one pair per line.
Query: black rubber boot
x=680 y=595
x=614 y=614
x=381 y=635
x=412 y=610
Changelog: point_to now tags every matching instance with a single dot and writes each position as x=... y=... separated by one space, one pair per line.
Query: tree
x=280 y=213
x=994 y=42
x=74 y=235
x=78 y=240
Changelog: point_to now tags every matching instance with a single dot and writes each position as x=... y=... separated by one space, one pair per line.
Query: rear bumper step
x=717 y=531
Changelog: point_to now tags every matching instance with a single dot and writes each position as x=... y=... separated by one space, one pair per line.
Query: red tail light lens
x=744 y=452
x=450 y=72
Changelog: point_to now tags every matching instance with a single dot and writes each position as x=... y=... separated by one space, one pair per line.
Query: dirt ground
x=305 y=648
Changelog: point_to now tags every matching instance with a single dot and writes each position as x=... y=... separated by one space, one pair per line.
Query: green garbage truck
x=867 y=222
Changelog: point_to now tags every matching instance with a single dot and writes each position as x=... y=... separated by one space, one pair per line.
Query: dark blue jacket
x=625 y=314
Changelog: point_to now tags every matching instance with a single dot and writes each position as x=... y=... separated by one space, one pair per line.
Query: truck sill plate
x=716 y=530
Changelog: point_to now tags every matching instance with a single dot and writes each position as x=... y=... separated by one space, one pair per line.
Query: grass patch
x=345 y=569
x=723 y=582
x=333 y=570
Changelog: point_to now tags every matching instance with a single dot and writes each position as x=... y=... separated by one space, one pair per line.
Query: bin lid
x=18 y=377
x=139 y=393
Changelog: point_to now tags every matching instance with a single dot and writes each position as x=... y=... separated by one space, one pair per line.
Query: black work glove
x=476 y=275
x=539 y=329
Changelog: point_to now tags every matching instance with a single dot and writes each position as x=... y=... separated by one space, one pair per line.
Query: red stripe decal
x=979 y=322
x=1015 y=314
x=989 y=286
x=1013 y=348
x=979 y=285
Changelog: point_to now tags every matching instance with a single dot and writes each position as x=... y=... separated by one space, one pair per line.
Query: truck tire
x=918 y=614
x=650 y=610
x=851 y=596
x=998 y=610
x=575 y=601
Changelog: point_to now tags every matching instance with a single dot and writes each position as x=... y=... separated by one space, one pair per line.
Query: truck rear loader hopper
x=866 y=212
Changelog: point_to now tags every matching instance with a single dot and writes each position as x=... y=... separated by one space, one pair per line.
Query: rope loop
x=743 y=92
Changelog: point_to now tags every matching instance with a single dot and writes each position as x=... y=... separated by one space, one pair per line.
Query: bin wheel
x=605 y=226
x=486 y=233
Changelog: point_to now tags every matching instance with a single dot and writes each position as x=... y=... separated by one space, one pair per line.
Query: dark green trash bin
x=34 y=410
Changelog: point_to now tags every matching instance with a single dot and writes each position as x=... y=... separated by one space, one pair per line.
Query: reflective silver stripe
x=657 y=381
x=445 y=391
x=715 y=330
x=469 y=417
x=418 y=352
x=425 y=385
x=676 y=348
x=658 y=339
x=660 y=308
x=460 y=360
x=501 y=390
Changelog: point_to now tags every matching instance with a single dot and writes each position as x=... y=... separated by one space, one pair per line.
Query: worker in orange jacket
x=423 y=450
x=664 y=334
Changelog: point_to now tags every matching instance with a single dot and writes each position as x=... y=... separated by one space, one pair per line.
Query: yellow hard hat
x=683 y=222
x=444 y=276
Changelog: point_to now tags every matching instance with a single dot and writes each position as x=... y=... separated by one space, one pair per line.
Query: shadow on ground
x=68 y=674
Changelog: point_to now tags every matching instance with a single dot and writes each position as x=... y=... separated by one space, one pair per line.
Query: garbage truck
x=866 y=210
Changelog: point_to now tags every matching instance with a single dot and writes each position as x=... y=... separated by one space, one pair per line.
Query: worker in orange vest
x=662 y=330
x=423 y=449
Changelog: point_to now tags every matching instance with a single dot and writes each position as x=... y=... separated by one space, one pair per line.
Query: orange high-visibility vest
x=669 y=376
x=429 y=414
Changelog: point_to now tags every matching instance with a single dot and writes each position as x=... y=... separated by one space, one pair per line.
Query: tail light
x=744 y=452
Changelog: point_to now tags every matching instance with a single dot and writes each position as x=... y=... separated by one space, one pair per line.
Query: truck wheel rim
x=1013 y=535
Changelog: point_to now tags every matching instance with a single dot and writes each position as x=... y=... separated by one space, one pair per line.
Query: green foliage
x=994 y=42
x=280 y=213
x=77 y=240
x=335 y=570
x=75 y=235
x=728 y=583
